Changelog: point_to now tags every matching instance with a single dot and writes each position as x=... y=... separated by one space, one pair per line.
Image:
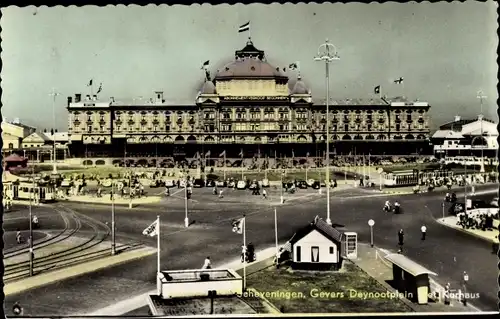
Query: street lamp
x=113 y=238
x=186 y=219
x=281 y=197
x=371 y=222
x=54 y=94
x=327 y=53
x=481 y=96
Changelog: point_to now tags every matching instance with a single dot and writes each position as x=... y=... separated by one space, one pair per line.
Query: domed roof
x=300 y=87
x=249 y=63
x=208 y=88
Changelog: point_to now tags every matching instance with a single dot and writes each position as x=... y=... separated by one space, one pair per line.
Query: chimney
x=159 y=97
x=70 y=100
x=457 y=118
x=88 y=97
x=78 y=97
x=94 y=97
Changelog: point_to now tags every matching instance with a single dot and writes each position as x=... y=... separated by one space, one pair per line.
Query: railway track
x=71 y=256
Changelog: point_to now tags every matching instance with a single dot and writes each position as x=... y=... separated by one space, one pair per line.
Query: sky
x=446 y=52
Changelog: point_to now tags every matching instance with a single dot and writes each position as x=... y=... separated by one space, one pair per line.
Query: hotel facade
x=249 y=108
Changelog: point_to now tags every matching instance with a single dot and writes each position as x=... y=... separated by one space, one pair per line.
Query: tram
x=24 y=190
x=412 y=177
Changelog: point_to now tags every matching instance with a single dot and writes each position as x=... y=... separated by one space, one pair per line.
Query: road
x=442 y=252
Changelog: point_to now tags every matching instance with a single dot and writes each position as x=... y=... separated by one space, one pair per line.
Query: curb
x=38 y=283
x=159 y=198
x=491 y=241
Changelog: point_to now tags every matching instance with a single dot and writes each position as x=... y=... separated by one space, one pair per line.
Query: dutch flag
x=244 y=27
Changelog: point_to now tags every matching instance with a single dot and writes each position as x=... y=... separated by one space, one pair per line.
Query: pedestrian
x=401 y=239
x=220 y=194
x=423 y=229
x=447 y=294
x=264 y=194
x=207 y=264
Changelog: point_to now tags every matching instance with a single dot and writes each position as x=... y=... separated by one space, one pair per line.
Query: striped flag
x=152 y=230
x=237 y=225
x=293 y=66
x=100 y=89
x=244 y=27
x=222 y=154
x=90 y=82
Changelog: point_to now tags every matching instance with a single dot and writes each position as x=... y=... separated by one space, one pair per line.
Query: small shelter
x=14 y=160
x=316 y=246
x=410 y=278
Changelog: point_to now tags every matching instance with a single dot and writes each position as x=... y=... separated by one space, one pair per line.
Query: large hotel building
x=249 y=107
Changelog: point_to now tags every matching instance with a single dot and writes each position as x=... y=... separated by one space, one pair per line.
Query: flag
x=222 y=154
x=399 y=81
x=100 y=89
x=293 y=66
x=205 y=64
x=151 y=230
x=241 y=153
x=207 y=154
x=90 y=83
x=238 y=225
x=244 y=27
x=377 y=89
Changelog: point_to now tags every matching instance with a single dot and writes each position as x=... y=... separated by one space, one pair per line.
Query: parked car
x=456 y=208
x=154 y=184
x=183 y=183
x=316 y=185
x=241 y=185
x=210 y=183
x=253 y=185
x=265 y=183
x=310 y=182
x=494 y=202
x=198 y=182
x=302 y=184
x=288 y=184
x=170 y=183
x=221 y=183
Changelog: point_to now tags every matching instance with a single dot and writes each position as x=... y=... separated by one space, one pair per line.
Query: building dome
x=300 y=87
x=249 y=63
x=208 y=88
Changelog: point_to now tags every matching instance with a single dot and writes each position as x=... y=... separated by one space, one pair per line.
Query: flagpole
x=224 y=165
x=267 y=164
x=158 y=243
x=246 y=251
x=241 y=164
x=276 y=232
x=369 y=168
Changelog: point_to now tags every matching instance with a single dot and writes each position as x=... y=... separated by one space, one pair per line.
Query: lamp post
x=481 y=96
x=54 y=94
x=371 y=222
x=281 y=197
x=31 y=223
x=113 y=238
x=327 y=53
x=186 y=219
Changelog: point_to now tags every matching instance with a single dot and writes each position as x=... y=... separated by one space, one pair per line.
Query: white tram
x=24 y=190
x=412 y=177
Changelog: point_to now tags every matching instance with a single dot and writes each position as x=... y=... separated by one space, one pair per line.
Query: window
x=101 y=117
x=101 y=128
x=408 y=117
x=298 y=253
x=331 y=250
x=76 y=118
x=118 y=128
x=167 y=128
x=369 y=116
x=239 y=115
x=11 y=145
x=226 y=116
x=398 y=127
x=89 y=117
x=369 y=127
x=155 y=127
x=89 y=129
x=346 y=127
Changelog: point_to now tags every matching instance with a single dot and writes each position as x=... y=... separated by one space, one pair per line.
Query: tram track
x=67 y=257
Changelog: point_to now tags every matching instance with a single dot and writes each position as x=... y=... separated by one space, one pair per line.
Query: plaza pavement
x=211 y=235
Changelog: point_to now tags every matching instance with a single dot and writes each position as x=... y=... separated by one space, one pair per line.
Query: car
x=456 y=208
x=170 y=183
x=316 y=185
x=253 y=185
x=220 y=184
x=302 y=184
x=265 y=183
x=210 y=183
x=198 y=182
x=288 y=184
x=494 y=202
x=182 y=183
x=66 y=183
x=154 y=184
x=241 y=185
x=310 y=182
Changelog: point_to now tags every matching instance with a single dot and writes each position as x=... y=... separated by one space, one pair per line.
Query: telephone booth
x=350 y=245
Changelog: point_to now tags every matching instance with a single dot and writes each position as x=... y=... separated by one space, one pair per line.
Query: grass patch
x=299 y=291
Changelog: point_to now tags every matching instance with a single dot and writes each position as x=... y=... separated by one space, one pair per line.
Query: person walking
x=423 y=229
x=401 y=240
